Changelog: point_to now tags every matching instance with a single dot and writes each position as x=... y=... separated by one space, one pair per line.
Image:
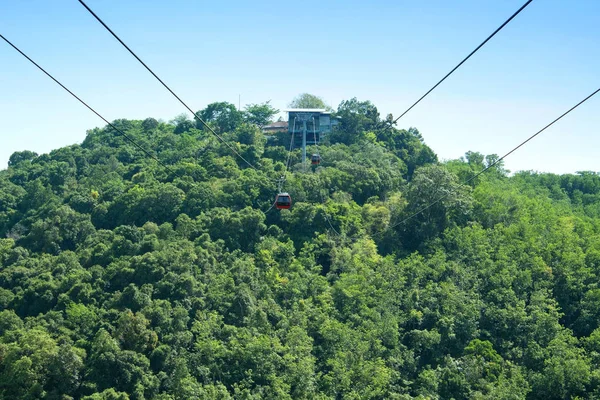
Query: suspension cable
x=323 y=200
x=491 y=165
x=127 y=137
x=462 y=62
x=167 y=87
x=289 y=157
x=466 y=182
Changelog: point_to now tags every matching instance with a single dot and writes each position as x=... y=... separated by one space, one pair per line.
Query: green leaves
x=437 y=201
x=387 y=278
x=307 y=100
x=260 y=114
x=221 y=116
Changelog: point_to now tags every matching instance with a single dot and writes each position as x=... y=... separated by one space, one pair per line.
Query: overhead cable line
x=167 y=87
x=127 y=137
x=493 y=164
x=282 y=180
x=462 y=62
x=323 y=200
x=289 y=156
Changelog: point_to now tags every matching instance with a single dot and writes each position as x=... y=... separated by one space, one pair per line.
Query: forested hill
x=122 y=278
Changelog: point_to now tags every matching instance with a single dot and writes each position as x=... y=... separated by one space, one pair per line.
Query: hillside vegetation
x=123 y=279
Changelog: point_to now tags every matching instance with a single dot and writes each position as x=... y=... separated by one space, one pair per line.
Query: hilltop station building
x=308 y=125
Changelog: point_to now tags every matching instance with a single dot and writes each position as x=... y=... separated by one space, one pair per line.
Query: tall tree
x=20 y=156
x=438 y=200
x=307 y=100
x=260 y=114
x=356 y=118
x=222 y=116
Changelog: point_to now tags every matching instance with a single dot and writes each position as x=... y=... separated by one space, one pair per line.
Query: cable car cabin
x=283 y=201
x=315 y=159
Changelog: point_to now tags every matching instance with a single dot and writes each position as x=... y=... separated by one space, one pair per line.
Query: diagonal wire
x=462 y=62
x=289 y=157
x=167 y=87
x=323 y=200
x=493 y=164
x=88 y=106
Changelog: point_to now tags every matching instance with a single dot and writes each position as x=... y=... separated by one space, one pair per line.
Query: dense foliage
x=122 y=279
x=307 y=100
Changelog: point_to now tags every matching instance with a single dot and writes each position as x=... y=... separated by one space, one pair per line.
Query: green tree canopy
x=388 y=278
x=307 y=100
x=222 y=116
x=260 y=114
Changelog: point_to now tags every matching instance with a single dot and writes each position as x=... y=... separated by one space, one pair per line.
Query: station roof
x=308 y=110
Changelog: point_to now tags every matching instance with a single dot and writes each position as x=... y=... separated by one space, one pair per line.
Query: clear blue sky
x=389 y=52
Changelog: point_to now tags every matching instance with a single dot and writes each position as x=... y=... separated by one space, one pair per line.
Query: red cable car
x=315 y=159
x=283 y=201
